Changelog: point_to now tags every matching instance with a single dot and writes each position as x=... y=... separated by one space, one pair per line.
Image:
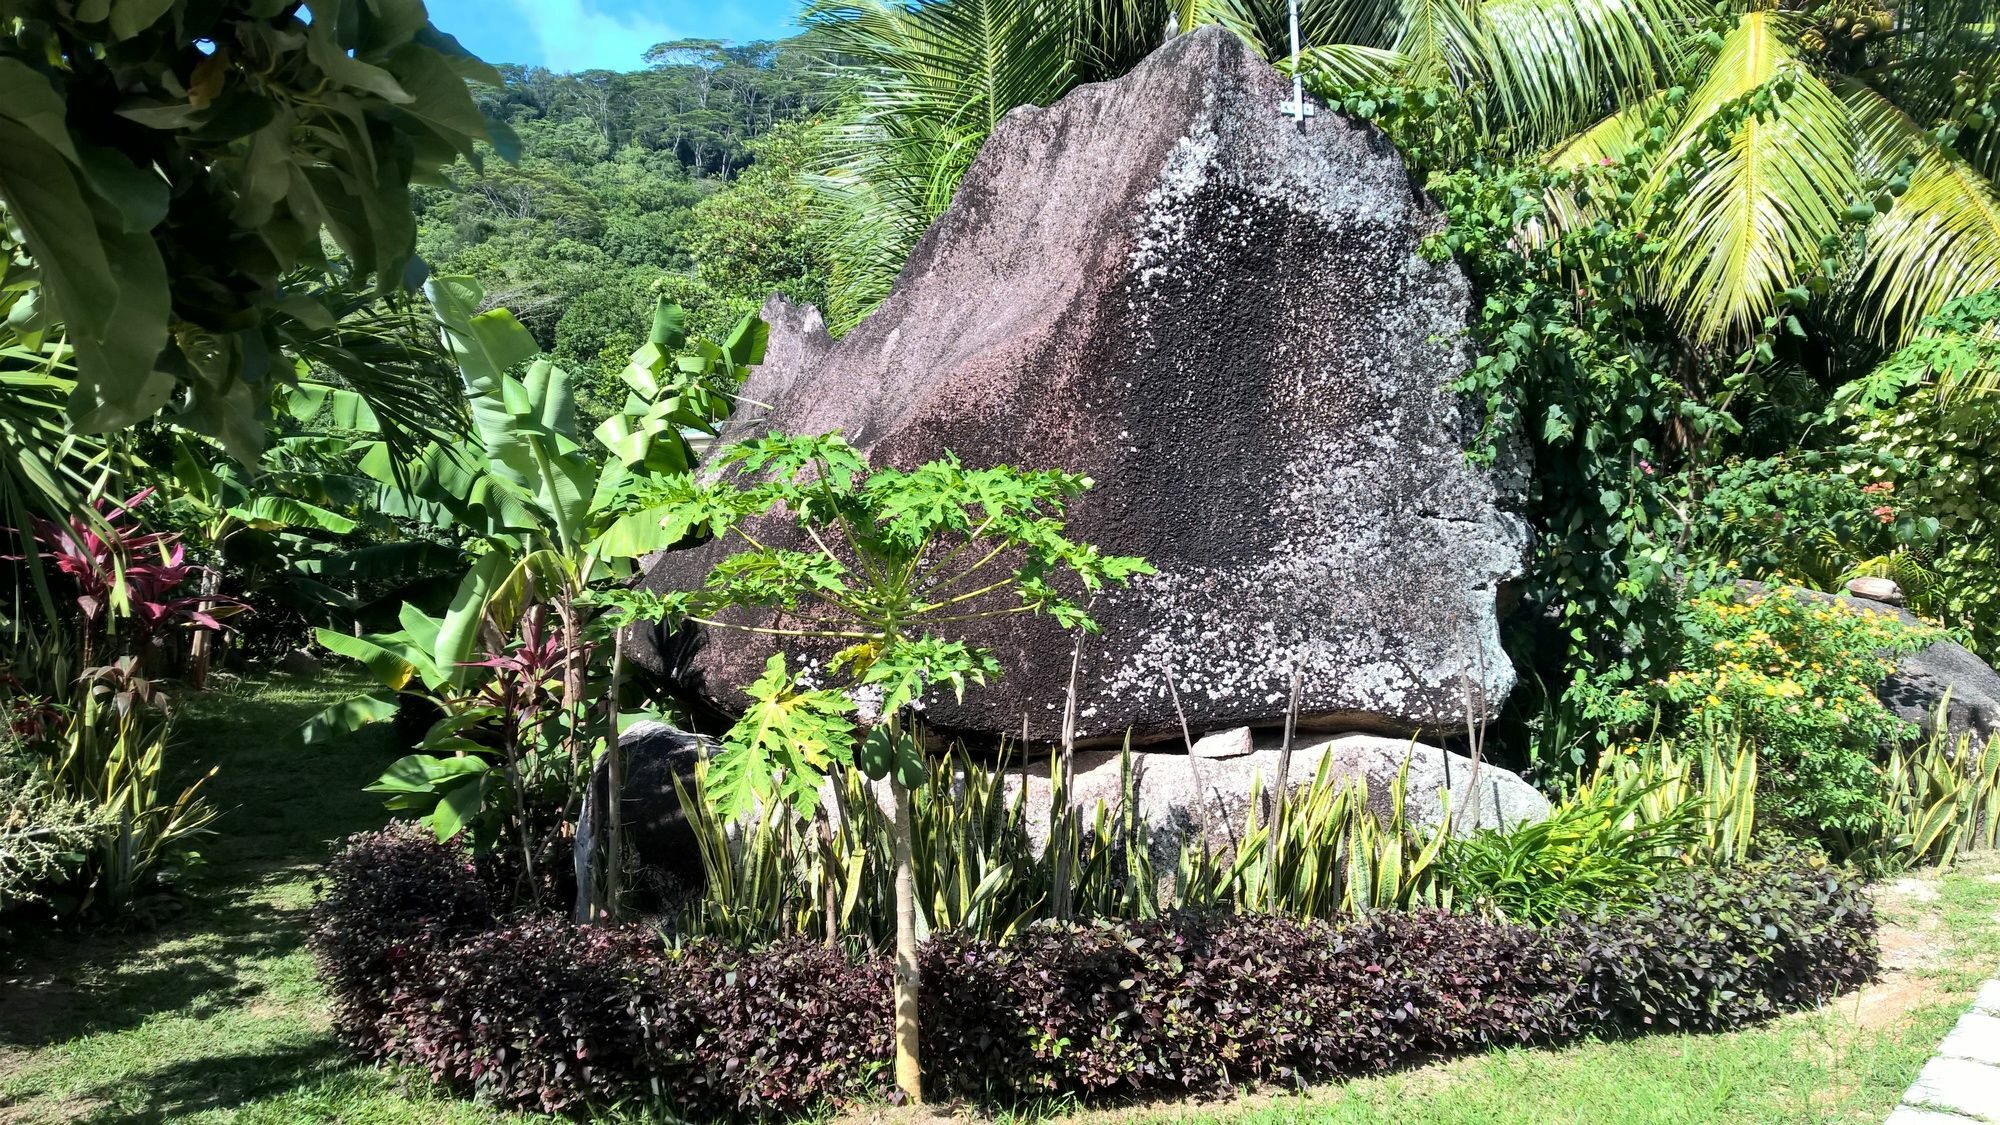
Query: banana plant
x=546 y=515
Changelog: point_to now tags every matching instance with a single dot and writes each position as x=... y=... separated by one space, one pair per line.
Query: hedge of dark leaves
x=1206 y=1003
x=547 y=1015
x=1713 y=951
x=385 y=900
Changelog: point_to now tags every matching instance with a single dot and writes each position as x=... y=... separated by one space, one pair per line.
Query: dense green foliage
x=1600 y=851
x=678 y=181
x=1736 y=270
x=173 y=196
x=1935 y=407
x=889 y=570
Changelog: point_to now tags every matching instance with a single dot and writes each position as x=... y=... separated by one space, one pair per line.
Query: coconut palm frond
x=1441 y=42
x=1609 y=139
x=930 y=83
x=1940 y=241
x=385 y=349
x=1759 y=204
x=1109 y=37
x=957 y=62
x=1555 y=66
x=1343 y=65
x=896 y=179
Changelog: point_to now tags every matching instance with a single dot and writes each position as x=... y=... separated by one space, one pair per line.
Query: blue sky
x=614 y=34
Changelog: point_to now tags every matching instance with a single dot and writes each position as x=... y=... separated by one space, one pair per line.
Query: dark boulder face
x=1220 y=315
x=1947 y=675
x=662 y=861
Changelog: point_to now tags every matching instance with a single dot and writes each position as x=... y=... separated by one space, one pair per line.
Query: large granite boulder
x=1947 y=673
x=1221 y=315
x=1182 y=797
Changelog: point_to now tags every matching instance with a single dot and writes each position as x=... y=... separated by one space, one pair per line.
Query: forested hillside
x=678 y=179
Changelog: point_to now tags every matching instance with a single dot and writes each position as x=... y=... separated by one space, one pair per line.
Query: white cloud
x=575 y=35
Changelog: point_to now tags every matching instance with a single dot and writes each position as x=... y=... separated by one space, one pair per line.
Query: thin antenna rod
x=1298 y=106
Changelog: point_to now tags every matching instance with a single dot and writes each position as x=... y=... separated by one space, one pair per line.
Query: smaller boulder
x=662 y=859
x=1946 y=673
x=300 y=662
x=1182 y=797
x=1876 y=590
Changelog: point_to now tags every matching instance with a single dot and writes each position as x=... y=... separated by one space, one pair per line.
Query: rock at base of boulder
x=662 y=860
x=1183 y=797
x=1232 y=743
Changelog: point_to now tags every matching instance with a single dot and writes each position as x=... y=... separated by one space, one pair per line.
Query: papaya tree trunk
x=909 y=1071
x=614 y=819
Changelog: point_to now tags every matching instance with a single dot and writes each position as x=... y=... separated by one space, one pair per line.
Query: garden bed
x=539 y=1013
x=214 y=1017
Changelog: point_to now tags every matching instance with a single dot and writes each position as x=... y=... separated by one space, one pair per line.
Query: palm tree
x=1568 y=81
x=1862 y=95
x=929 y=82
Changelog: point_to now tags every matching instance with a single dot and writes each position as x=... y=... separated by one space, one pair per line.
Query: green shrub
x=1795 y=676
x=111 y=753
x=1714 y=780
x=42 y=833
x=1603 y=849
x=1324 y=853
x=1943 y=797
x=1932 y=408
x=1810 y=517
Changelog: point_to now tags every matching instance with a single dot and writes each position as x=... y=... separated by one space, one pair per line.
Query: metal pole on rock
x=1298 y=109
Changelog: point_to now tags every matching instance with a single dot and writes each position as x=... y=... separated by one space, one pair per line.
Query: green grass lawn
x=213 y=1015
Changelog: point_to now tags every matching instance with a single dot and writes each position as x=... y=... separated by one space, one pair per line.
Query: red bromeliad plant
x=121 y=569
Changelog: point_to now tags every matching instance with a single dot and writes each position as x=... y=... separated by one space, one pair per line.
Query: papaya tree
x=893 y=566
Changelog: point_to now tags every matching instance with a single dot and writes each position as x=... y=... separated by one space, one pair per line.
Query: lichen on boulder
x=1221 y=315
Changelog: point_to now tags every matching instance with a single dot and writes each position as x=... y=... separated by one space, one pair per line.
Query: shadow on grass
x=212 y=1082
x=282 y=804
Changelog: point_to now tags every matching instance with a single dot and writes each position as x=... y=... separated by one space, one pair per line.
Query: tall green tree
x=172 y=166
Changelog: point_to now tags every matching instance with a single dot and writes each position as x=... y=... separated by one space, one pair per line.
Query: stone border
x=1961 y=1083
